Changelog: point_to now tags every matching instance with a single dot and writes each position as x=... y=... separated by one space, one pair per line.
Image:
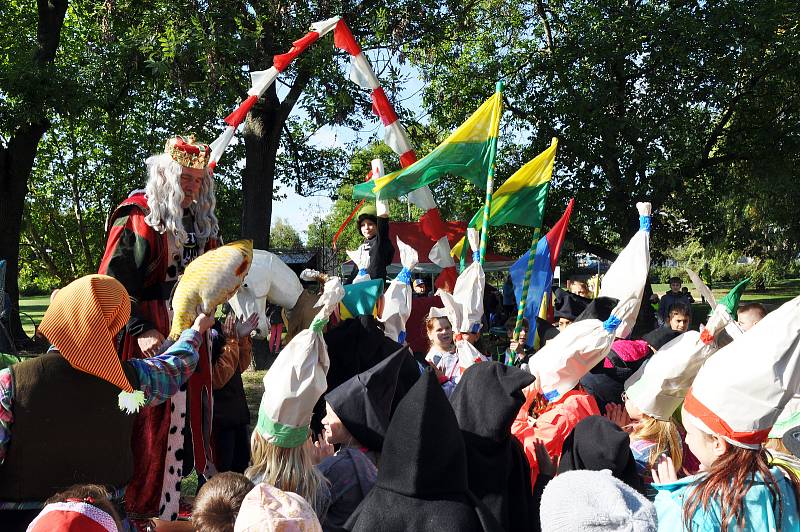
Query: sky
x=297 y=210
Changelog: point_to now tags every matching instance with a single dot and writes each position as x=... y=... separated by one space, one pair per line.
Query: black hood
x=486 y=401
x=568 y=305
x=365 y=403
x=660 y=337
x=355 y=345
x=599 y=309
x=488 y=398
x=596 y=444
x=423 y=455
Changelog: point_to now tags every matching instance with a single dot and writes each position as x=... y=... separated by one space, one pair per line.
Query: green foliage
x=687 y=105
x=284 y=236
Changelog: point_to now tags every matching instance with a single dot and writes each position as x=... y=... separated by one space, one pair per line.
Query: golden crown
x=187 y=152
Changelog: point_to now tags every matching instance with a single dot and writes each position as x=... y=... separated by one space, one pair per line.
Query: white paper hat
x=565 y=359
x=397 y=299
x=468 y=292
x=627 y=276
x=296 y=379
x=464 y=307
x=361 y=260
x=741 y=390
x=659 y=387
x=789 y=418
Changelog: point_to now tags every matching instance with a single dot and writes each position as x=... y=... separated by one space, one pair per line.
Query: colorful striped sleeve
x=161 y=376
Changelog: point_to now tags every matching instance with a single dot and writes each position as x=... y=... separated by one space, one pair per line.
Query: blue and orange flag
x=544 y=265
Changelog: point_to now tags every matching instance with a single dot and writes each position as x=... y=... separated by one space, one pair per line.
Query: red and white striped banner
x=395 y=136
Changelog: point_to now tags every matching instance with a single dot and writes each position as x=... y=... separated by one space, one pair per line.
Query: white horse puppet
x=271 y=280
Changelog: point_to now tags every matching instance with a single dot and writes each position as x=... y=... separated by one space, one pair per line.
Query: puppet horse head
x=269 y=280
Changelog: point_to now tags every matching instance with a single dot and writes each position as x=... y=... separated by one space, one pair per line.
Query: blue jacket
x=758 y=506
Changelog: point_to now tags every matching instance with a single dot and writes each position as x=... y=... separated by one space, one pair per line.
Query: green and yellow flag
x=465 y=153
x=521 y=199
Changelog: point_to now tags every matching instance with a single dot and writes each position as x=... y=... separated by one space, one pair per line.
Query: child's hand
x=543 y=460
x=321 y=450
x=619 y=416
x=665 y=471
x=229 y=327
x=247 y=326
x=202 y=323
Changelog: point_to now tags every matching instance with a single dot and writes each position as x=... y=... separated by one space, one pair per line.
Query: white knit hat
x=659 y=387
x=296 y=379
x=397 y=299
x=627 y=276
x=268 y=509
x=741 y=390
x=594 y=500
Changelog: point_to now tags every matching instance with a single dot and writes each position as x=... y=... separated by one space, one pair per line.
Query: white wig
x=164 y=197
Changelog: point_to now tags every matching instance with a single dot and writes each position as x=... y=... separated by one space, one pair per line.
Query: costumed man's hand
x=149 y=342
x=246 y=327
x=202 y=323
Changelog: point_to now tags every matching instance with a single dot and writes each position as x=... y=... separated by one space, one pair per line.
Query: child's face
x=747 y=319
x=441 y=335
x=334 y=430
x=679 y=322
x=368 y=228
x=705 y=447
x=675 y=286
x=563 y=323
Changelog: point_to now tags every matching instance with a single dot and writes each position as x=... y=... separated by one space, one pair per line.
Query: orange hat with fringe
x=82 y=321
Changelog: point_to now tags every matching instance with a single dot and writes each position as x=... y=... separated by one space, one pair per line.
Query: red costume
x=147 y=265
x=553 y=425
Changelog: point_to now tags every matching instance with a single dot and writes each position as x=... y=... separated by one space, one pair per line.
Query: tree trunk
x=16 y=163
x=16 y=158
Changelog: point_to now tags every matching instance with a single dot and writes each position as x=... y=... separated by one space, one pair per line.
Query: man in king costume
x=153 y=235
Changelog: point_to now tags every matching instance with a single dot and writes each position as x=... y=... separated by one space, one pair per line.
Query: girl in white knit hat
x=728 y=413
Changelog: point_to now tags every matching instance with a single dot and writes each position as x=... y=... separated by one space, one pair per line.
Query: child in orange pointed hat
x=69 y=410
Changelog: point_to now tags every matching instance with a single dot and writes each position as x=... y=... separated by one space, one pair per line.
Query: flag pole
x=490 y=180
x=526 y=283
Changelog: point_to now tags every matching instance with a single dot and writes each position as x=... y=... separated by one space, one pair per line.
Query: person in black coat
x=486 y=401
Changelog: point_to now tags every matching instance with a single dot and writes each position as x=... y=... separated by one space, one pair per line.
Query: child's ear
x=719 y=445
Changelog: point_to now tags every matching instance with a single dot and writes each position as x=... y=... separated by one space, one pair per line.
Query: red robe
x=553 y=425
x=137 y=255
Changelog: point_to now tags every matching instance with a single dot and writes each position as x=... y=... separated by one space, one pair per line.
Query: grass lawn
x=772 y=297
x=32 y=308
x=253 y=389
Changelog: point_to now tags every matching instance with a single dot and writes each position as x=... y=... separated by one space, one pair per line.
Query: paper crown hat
x=361 y=299
x=187 y=152
x=296 y=379
x=397 y=299
x=741 y=390
x=365 y=403
x=627 y=276
x=82 y=321
x=561 y=363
